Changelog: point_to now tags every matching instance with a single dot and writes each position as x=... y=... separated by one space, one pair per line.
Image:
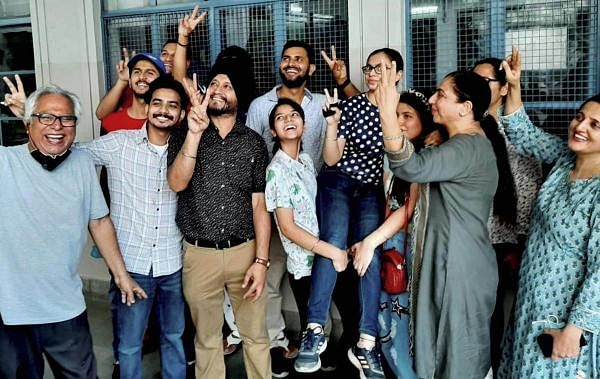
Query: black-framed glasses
x=368 y=68
x=488 y=80
x=48 y=119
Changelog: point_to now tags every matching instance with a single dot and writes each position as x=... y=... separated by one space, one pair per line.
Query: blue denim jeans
x=348 y=211
x=166 y=293
x=394 y=317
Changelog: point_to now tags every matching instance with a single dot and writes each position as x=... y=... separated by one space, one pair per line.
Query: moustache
x=168 y=116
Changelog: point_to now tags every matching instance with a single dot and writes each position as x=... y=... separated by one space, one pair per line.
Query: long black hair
x=468 y=86
x=417 y=101
x=295 y=106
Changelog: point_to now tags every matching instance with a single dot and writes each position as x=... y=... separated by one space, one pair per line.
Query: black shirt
x=217 y=203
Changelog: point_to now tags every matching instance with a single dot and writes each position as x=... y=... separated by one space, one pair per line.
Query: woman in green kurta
x=458 y=277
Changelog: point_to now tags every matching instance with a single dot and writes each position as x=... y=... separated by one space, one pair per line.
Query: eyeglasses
x=488 y=80
x=49 y=119
x=368 y=68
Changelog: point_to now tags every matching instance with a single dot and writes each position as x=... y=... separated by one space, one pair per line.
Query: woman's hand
x=386 y=94
x=565 y=342
x=340 y=260
x=332 y=110
x=512 y=66
x=363 y=255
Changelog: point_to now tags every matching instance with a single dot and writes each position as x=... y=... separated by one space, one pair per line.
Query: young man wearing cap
x=143 y=69
x=218 y=169
x=143 y=210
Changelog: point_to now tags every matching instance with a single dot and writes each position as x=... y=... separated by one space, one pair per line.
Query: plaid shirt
x=142 y=206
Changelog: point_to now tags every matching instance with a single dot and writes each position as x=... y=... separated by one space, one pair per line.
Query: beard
x=224 y=110
x=293 y=83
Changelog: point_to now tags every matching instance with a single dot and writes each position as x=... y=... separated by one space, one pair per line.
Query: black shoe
x=280 y=366
x=116 y=371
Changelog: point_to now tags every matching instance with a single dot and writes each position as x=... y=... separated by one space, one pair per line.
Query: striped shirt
x=142 y=206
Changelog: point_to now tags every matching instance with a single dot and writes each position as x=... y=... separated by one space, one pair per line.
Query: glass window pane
x=16 y=49
x=14 y=8
x=111 y=5
x=13 y=132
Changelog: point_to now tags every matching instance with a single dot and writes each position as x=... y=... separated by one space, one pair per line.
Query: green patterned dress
x=560 y=271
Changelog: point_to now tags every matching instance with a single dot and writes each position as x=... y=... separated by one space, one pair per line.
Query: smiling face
x=164 y=110
x=584 y=130
x=445 y=107
x=294 y=67
x=52 y=139
x=223 y=99
x=288 y=123
x=142 y=74
x=409 y=121
x=167 y=56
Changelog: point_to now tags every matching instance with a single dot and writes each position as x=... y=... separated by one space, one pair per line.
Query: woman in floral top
x=290 y=194
x=559 y=280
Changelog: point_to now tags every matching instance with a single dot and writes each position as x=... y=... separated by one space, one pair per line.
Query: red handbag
x=394 y=277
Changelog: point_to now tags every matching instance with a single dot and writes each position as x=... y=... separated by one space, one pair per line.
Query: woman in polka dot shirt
x=350 y=203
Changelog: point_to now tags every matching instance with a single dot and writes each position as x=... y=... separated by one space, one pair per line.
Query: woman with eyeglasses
x=350 y=205
x=457 y=273
x=556 y=326
x=509 y=222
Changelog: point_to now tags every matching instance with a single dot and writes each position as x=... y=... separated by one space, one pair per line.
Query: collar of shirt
x=272 y=94
x=304 y=161
x=238 y=128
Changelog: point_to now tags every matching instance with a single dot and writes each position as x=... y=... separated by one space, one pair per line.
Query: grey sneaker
x=313 y=343
x=368 y=362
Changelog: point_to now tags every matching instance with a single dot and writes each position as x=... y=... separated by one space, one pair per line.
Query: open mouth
x=54 y=139
x=289 y=127
x=579 y=137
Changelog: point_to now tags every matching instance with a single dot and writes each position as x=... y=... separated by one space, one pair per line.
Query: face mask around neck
x=49 y=162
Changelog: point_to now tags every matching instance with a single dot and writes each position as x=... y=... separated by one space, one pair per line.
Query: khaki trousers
x=206 y=273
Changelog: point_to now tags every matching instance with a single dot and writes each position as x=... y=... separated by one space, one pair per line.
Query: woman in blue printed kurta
x=559 y=286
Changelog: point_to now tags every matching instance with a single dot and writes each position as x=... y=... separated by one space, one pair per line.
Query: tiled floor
x=100 y=324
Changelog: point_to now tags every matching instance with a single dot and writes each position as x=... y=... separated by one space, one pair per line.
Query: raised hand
x=193 y=91
x=122 y=69
x=189 y=22
x=386 y=94
x=512 y=66
x=15 y=100
x=332 y=110
x=337 y=66
x=198 y=119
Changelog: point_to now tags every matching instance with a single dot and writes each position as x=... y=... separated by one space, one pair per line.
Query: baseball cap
x=148 y=57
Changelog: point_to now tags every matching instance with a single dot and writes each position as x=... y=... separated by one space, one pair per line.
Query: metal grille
x=557 y=38
x=261 y=27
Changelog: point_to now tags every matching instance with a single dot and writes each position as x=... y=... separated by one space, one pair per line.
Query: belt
x=219 y=245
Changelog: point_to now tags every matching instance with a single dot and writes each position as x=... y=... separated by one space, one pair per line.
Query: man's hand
x=255 y=278
x=198 y=119
x=565 y=342
x=122 y=69
x=337 y=66
x=15 y=100
x=189 y=22
x=129 y=289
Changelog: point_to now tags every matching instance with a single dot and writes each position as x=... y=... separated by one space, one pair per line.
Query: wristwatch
x=264 y=262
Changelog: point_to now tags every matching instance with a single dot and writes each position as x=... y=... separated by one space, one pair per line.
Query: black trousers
x=67 y=346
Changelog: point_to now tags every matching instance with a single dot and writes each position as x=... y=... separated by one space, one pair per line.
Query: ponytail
x=505 y=199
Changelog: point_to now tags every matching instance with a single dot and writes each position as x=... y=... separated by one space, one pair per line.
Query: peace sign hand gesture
x=337 y=66
x=386 y=94
x=189 y=22
x=512 y=66
x=198 y=119
x=15 y=100
x=332 y=110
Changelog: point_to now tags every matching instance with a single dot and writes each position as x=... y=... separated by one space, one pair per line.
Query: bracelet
x=264 y=262
x=331 y=139
x=345 y=84
x=312 y=249
x=392 y=138
x=182 y=44
x=187 y=155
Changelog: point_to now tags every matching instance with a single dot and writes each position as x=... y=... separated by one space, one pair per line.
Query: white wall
x=374 y=24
